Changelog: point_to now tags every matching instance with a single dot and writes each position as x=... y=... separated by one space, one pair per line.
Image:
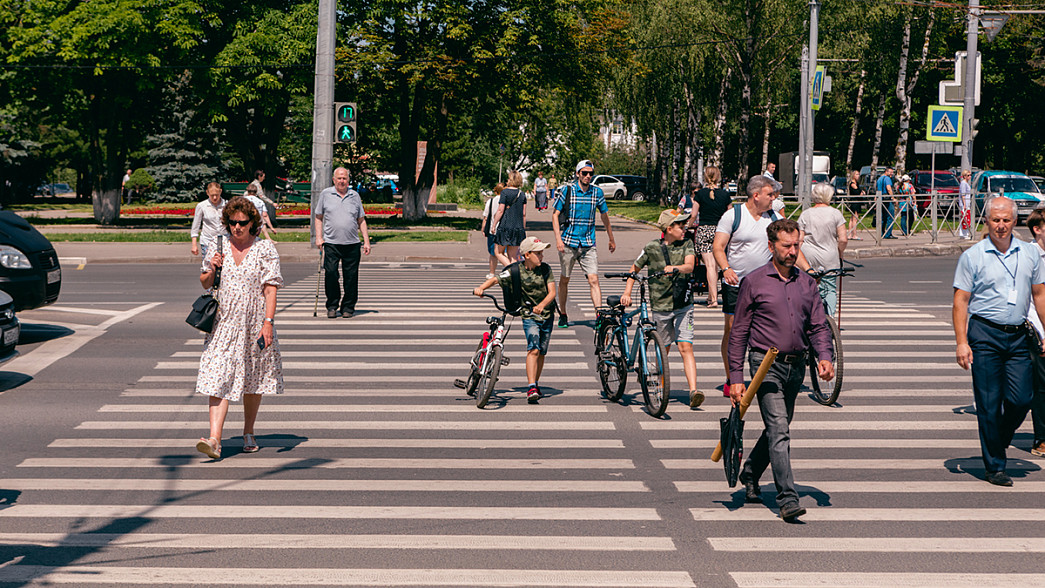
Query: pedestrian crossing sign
x=945 y=123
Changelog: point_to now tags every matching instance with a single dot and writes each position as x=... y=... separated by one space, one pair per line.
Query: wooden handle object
x=749 y=394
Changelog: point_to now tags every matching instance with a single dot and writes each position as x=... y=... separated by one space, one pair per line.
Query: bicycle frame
x=638 y=342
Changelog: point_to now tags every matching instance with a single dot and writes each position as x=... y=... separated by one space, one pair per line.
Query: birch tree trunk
x=856 y=120
x=901 y=93
x=878 y=135
x=904 y=91
x=720 y=121
x=765 y=134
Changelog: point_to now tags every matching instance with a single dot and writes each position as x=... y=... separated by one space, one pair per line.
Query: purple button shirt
x=772 y=312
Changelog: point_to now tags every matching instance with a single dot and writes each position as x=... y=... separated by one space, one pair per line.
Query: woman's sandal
x=250 y=445
x=211 y=450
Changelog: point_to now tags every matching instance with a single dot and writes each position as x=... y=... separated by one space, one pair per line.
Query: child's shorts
x=538 y=334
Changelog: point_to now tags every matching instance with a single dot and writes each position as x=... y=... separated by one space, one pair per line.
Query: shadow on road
x=40 y=333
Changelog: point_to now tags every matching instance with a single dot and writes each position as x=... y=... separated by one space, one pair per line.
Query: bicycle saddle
x=613 y=301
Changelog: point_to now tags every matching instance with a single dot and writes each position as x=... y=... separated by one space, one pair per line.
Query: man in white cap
x=574 y=228
x=537 y=299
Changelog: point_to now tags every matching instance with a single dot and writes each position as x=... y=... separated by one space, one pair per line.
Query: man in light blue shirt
x=994 y=285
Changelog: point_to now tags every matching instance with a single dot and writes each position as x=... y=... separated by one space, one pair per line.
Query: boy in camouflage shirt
x=538 y=307
x=673 y=316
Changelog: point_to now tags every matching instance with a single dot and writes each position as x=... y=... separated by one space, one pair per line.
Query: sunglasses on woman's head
x=239 y=223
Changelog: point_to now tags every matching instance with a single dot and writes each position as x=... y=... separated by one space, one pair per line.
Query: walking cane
x=749 y=394
x=319 y=275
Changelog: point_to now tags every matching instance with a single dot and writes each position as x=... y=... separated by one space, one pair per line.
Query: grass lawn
x=290 y=237
x=643 y=211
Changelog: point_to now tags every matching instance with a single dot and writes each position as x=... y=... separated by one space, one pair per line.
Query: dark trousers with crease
x=1002 y=384
x=776 y=402
x=1037 y=404
x=347 y=256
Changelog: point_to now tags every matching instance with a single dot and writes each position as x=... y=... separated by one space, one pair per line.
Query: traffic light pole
x=323 y=108
x=969 y=110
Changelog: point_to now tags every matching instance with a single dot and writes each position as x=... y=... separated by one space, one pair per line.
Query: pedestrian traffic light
x=973 y=123
x=345 y=116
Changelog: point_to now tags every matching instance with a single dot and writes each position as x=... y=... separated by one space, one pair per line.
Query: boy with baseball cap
x=538 y=306
x=672 y=303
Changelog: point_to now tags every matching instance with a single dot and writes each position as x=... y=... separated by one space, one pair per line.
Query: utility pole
x=969 y=110
x=323 y=108
x=807 y=126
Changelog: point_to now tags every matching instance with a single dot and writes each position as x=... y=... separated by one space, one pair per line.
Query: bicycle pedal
x=460 y=384
x=505 y=361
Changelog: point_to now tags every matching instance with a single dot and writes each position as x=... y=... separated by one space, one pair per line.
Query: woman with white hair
x=823 y=237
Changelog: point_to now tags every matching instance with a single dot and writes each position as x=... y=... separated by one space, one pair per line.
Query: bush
x=460 y=191
x=141 y=181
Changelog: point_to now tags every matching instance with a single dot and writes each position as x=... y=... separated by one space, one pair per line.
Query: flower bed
x=294 y=210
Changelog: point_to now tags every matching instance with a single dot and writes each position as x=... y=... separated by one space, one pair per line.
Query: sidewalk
x=630 y=237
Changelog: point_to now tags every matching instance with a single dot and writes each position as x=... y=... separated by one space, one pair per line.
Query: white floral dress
x=232 y=364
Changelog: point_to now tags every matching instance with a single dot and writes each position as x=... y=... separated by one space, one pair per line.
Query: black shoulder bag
x=681 y=288
x=205 y=309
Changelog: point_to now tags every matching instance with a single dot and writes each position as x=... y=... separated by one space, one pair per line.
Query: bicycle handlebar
x=525 y=303
x=842 y=271
x=639 y=278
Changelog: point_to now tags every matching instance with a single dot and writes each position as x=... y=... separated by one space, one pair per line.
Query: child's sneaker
x=533 y=395
x=696 y=398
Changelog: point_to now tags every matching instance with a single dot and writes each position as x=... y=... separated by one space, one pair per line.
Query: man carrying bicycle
x=537 y=308
x=777 y=306
x=670 y=296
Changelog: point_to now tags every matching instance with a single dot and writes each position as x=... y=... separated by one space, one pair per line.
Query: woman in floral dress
x=234 y=364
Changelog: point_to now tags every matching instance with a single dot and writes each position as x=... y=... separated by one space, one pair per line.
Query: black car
x=638 y=186
x=29 y=270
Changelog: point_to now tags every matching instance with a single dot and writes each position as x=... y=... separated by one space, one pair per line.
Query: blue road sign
x=945 y=124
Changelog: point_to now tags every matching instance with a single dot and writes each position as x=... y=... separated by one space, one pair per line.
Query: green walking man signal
x=345 y=116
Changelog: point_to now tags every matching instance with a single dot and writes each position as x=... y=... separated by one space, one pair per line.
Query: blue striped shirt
x=580 y=229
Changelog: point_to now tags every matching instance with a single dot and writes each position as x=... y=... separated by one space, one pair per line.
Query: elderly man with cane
x=779 y=307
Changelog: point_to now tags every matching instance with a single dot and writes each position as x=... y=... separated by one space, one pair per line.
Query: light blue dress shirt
x=991 y=277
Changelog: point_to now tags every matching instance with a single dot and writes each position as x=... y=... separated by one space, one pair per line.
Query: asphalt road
x=375 y=470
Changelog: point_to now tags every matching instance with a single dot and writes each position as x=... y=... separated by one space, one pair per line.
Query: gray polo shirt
x=340 y=216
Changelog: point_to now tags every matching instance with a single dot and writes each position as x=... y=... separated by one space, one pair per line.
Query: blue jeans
x=538 y=334
x=1003 y=386
x=888 y=221
x=776 y=402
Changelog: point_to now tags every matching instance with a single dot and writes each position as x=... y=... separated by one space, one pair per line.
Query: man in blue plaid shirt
x=575 y=239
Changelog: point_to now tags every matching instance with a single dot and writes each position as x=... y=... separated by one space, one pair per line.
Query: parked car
x=10 y=329
x=1039 y=182
x=841 y=186
x=925 y=181
x=55 y=189
x=637 y=187
x=612 y=188
x=865 y=182
x=1014 y=185
x=29 y=269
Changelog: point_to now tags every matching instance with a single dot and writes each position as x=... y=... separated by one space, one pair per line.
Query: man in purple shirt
x=778 y=306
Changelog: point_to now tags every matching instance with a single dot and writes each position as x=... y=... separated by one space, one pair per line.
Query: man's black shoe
x=999 y=478
x=791 y=511
x=347 y=313
x=332 y=313
x=752 y=493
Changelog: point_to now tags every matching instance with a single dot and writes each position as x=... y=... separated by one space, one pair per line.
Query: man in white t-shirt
x=743 y=251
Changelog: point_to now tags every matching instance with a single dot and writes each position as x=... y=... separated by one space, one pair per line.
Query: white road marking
x=846 y=443
x=963 y=464
x=298 y=485
x=358 y=408
x=927 y=515
x=336 y=463
x=880 y=544
x=386 y=442
x=460 y=366
x=354 y=354
x=899 y=487
x=273 y=425
x=960 y=425
x=883 y=580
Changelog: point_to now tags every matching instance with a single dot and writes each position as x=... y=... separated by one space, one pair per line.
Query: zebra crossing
x=376 y=471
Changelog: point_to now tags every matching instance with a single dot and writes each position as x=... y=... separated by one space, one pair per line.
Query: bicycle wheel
x=653 y=375
x=488 y=379
x=826 y=393
x=473 y=377
x=613 y=373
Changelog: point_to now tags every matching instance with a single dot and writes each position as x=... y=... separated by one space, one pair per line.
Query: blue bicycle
x=647 y=355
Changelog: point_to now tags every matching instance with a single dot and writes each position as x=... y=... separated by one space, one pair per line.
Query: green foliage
x=141 y=181
x=460 y=191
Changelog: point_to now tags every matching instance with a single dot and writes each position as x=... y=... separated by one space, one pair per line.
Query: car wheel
x=638 y=196
x=618 y=194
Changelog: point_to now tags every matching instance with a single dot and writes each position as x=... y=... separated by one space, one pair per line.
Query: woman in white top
x=823 y=237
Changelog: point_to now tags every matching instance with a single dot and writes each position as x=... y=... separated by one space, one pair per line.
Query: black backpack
x=513 y=294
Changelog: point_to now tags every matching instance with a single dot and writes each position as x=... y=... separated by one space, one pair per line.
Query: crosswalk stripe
x=462 y=370
x=342 y=576
x=318 y=511
x=926 y=515
x=881 y=544
x=879 y=408
x=846 y=443
x=298 y=485
x=433 y=443
x=965 y=464
x=883 y=579
x=384 y=354
x=476 y=425
x=460 y=366
x=447 y=391
x=341 y=541
x=355 y=408
x=898 y=487
x=893 y=425
x=336 y=463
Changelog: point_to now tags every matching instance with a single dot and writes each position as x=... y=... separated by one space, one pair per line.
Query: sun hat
x=671 y=216
x=531 y=244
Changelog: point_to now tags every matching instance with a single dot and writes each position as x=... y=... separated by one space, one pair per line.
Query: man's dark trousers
x=1037 y=405
x=348 y=257
x=1002 y=384
x=776 y=402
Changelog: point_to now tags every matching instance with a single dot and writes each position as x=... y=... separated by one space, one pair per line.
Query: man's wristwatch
x=269 y=321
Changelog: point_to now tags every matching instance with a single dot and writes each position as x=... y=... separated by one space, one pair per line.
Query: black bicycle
x=828 y=394
x=647 y=355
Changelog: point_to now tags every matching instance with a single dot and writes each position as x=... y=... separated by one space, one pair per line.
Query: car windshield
x=942 y=180
x=1011 y=184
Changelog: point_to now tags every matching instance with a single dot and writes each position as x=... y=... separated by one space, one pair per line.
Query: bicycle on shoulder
x=485 y=366
x=823 y=392
x=647 y=355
